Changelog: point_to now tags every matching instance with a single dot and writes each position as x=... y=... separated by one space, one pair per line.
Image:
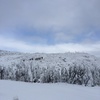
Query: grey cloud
x=61 y=37
x=75 y=16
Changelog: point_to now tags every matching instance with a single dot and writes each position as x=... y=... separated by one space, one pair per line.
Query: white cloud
x=16 y=45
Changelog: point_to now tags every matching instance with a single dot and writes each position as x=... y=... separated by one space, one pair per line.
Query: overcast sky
x=50 y=25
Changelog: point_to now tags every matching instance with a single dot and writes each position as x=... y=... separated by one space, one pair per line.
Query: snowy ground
x=38 y=91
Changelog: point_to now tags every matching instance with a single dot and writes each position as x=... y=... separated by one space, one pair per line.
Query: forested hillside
x=73 y=68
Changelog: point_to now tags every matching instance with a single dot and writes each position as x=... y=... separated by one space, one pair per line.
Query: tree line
x=75 y=74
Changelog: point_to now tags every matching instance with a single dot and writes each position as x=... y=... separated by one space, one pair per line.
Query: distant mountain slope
x=49 y=60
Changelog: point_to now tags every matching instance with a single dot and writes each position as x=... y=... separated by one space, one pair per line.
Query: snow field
x=41 y=91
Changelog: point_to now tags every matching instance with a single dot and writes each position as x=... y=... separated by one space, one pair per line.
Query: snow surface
x=38 y=91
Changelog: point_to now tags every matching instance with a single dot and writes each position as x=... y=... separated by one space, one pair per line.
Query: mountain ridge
x=64 y=59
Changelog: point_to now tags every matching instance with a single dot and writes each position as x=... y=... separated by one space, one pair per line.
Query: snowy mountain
x=73 y=68
x=49 y=60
